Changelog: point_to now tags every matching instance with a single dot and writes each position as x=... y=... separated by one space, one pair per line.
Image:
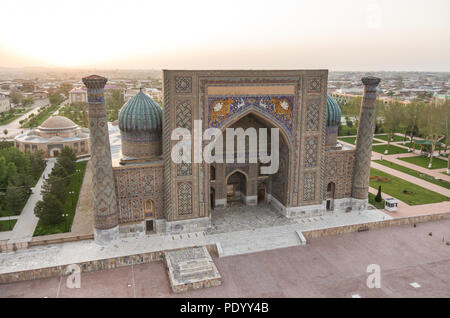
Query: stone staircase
x=262 y=239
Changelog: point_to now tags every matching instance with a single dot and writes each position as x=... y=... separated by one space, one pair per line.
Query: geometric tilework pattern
x=184 y=169
x=183 y=119
x=184 y=198
x=312 y=117
x=184 y=114
x=309 y=186
x=314 y=85
x=183 y=84
x=105 y=206
x=136 y=186
x=363 y=150
x=311 y=152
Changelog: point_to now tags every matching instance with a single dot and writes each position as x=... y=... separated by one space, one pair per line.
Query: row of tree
x=18 y=173
x=429 y=120
x=18 y=98
x=55 y=189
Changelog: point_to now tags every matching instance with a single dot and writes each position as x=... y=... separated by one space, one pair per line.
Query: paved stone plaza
x=239 y=217
x=333 y=266
x=238 y=241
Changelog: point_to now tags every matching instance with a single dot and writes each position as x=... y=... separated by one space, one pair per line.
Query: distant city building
x=40 y=94
x=5 y=103
x=343 y=98
x=441 y=98
x=129 y=93
x=78 y=95
x=27 y=86
x=54 y=134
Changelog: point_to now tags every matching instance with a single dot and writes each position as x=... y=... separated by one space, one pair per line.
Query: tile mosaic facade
x=184 y=198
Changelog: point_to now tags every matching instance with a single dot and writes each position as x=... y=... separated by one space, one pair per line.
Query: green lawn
x=395 y=137
x=69 y=205
x=414 y=173
x=415 y=195
x=424 y=161
x=7 y=225
x=10 y=116
x=378 y=205
x=352 y=140
x=392 y=149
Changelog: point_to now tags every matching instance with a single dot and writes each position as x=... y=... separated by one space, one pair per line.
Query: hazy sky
x=337 y=35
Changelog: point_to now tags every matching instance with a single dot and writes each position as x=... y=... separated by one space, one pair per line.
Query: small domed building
x=52 y=136
x=333 y=120
x=140 y=124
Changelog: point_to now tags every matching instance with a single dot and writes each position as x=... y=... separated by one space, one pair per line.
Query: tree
x=3 y=175
x=446 y=124
x=16 y=97
x=55 y=185
x=65 y=88
x=353 y=108
x=27 y=102
x=49 y=210
x=68 y=152
x=11 y=170
x=55 y=99
x=5 y=132
x=37 y=164
x=411 y=116
x=431 y=126
x=378 y=197
x=14 y=198
x=392 y=114
x=114 y=104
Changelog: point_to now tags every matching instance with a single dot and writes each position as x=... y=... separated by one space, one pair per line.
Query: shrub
x=378 y=198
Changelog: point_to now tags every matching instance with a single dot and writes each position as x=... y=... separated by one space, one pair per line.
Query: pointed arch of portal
x=284 y=162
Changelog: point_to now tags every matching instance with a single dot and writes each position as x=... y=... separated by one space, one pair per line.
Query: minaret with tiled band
x=363 y=153
x=106 y=221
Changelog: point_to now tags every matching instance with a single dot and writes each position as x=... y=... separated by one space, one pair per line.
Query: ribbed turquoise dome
x=333 y=112
x=140 y=113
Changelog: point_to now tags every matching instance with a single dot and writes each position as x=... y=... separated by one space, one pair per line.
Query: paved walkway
x=14 y=126
x=12 y=217
x=330 y=266
x=412 y=179
x=81 y=251
x=27 y=221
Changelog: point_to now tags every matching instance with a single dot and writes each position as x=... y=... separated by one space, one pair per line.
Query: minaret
x=363 y=153
x=106 y=220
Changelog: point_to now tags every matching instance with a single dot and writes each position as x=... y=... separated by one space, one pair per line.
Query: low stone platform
x=191 y=268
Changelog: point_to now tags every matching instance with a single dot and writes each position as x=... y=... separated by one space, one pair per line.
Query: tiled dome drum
x=333 y=120
x=140 y=123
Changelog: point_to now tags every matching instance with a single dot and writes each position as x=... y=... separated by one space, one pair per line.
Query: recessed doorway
x=149 y=226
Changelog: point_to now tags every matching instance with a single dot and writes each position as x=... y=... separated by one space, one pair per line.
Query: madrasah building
x=146 y=192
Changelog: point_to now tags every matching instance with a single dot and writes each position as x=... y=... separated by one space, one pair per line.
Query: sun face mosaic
x=279 y=108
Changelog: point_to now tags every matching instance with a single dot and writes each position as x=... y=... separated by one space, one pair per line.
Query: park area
x=402 y=190
x=392 y=150
x=423 y=162
x=68 y=204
